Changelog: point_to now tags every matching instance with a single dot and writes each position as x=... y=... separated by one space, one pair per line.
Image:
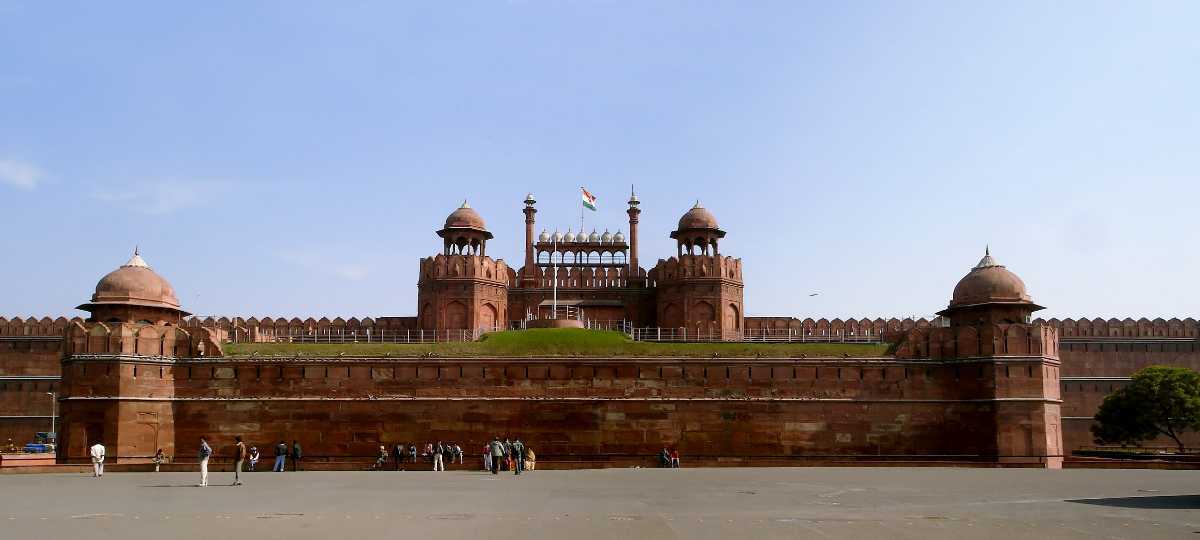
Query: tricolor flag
x=589 y=200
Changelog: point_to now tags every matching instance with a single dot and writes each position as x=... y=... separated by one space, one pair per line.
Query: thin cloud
x=20 y=174
x=164 y=196
x=327 y=265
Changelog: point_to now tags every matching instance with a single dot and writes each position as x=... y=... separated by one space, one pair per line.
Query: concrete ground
x=626 y=503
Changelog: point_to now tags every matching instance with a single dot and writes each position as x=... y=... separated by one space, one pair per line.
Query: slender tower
x=634 y=211
x=528 y=278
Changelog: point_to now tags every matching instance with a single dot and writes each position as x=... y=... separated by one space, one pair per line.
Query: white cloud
x=163 y=196
x=20 y=174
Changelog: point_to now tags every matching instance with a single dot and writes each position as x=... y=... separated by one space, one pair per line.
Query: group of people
x=668 y=458
x=437 y=454
x=508 y=455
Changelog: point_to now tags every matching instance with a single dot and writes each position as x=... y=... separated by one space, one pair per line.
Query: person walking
x=296 y=455
x=381 y=459
x=281 y=453
x=159 y=459
x=518 y=455
x=398 y=455
x=239 y=457
x=458 y=451
x=674 y=458
x=97 y=453
x=253 y=457
x=438 y=463
x=506 y=463
x=497 y=454
x=487 y=456
x=530 y=459
x=412 y=452
x=205 y=453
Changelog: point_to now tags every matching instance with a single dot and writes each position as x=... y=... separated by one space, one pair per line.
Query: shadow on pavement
x=1165 y=502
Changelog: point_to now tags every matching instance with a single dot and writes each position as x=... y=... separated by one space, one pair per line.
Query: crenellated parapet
x=1125 y=328
x=575 y=277
x=33 y=326
x=474 y=267
x=990 y=340
x=685 y=267
x=138 y=339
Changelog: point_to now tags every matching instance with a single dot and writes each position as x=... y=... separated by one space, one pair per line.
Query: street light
x=53 y=414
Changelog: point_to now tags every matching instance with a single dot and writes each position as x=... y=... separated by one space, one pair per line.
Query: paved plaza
x=625 y=503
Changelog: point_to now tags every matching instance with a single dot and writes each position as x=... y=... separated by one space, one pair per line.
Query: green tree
x=1159 y=400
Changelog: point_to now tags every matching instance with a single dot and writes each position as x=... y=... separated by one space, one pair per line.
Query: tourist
x=281 y=453
x=398 y=455
x=487 y=456
x=253 y=457
x=239 y=457
x=674 y=458
x=506 y=464
x=530 y=459
x=205 y=453
x=497 y=454
x=159 y=459
x=381 y=459
x=518 y=455
x=296 y=455
x=412 y=452
x=97 y=452
x=664 y=458
x=438 y=463
x=458 y=453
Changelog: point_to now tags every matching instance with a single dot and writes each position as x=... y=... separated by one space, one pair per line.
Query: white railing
x=758 y=336
x=387 y=336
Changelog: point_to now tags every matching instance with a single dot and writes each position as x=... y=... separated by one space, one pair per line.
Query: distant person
x=674 y=458
x=97 y=452
x=381 y=459
x=281 y=452
x=239 y=457
x=412 y=452
x=438 y=451
x=297 y=454
x=487 y=456
x=664 y=458
x=506 y=459
x=159 y=458
x=253 y=457
x=204 y=454
x=497 y=454
x=458 y=451
x=518 y=456
x=530 y=459
x=398 y=455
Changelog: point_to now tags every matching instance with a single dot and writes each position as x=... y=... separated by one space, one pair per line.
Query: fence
x=387 y=336
x=747 y=336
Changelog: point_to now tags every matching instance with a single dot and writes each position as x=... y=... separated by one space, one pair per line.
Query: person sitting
x=674 y=458
x=381 y=460
x=159 y=458
x=530 y=459
x=664 y=458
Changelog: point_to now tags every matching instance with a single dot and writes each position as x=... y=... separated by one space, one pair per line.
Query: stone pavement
x=627 y=503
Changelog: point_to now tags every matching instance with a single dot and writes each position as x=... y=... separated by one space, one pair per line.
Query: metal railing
x=388 y=336
x=755 y=336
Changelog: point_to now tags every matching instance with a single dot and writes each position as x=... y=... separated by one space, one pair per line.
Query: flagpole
x=581 y=209
x=554 y=304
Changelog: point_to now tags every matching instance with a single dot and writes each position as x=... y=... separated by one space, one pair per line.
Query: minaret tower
x=528 y=274
x=635 y=278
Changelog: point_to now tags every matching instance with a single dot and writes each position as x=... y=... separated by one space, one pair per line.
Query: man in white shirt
x=97 y=451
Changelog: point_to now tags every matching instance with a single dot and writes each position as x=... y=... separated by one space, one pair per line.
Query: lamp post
x=53 y=414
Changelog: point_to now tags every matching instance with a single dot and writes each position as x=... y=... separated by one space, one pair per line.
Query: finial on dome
x=137 y=259
x=987 y=261
x=465 y=204
x=698 y=205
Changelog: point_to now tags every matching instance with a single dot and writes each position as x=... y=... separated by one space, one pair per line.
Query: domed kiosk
x=134 y=293
x=989 y=293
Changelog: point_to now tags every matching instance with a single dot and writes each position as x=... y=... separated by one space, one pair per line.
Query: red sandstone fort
x=981 y=383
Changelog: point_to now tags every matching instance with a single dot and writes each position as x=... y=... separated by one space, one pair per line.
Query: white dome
x=544 y=237
x=594 y=238
x=619 y=237
x=607 y=237
x=558 y=237
x=570 y=237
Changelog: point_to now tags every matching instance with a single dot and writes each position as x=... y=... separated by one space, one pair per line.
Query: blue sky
x=286 y=158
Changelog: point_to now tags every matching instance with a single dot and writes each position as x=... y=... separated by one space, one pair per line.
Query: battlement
x=994 y=340
x=697 y=266
x=1125 y=328
x=138 y=339
x=466 y=266
x=580 y=277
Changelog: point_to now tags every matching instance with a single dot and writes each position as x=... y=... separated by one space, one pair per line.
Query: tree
x=1159 y=400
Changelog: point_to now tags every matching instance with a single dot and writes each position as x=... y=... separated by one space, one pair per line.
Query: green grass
x=560 y=342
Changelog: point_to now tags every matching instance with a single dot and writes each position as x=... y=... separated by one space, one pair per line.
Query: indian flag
x=589 y=200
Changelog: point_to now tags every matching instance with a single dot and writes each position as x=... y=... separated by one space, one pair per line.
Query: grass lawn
x=560 y=342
